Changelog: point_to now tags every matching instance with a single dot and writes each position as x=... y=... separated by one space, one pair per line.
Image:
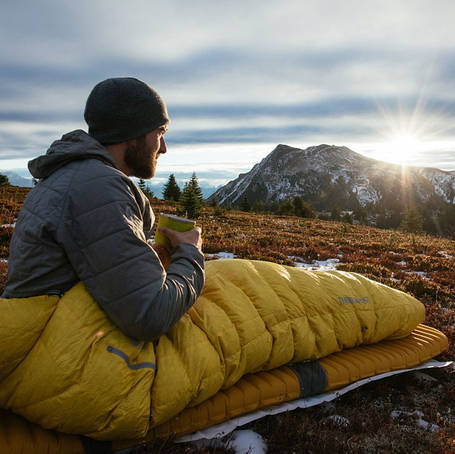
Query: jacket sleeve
x=105 y=236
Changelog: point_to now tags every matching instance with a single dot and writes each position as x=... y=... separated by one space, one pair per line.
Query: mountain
x=329 y=176
x=157 y=189
x=16 y=180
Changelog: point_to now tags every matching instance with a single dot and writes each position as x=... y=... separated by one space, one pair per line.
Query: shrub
x=371 y=269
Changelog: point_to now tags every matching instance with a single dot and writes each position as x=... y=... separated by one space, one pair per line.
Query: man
x=87 y=221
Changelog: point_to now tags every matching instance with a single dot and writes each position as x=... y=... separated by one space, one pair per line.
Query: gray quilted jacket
x=87 y=221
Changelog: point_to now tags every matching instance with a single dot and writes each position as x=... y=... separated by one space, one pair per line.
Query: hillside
x=408 y=413
x=337 y=178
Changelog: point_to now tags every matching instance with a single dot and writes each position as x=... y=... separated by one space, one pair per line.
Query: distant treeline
x=437 y=218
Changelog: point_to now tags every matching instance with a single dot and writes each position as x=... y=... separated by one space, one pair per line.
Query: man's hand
x=192 y=236
x=164 y=253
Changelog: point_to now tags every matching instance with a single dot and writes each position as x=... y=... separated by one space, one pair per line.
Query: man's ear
x=131 y=142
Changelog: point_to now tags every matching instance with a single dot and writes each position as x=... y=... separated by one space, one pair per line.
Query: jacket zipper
x=55 y=292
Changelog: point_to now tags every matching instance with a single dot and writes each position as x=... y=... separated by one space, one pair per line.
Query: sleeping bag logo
x=353 y=300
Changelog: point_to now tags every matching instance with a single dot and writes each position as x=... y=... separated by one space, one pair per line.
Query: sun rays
x=400 y=148
x=406 y=132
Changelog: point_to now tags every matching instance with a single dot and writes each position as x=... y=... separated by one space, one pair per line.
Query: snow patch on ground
x=8 y=225
x=424 y=378
x=241 y=441
x=339 y=420
x=221 y=255
x=418 y=416
x=422 y=274
x=316 y=265
x=247 y=441
x=445 y=255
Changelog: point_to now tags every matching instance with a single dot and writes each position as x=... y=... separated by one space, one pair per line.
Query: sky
x=238 y=77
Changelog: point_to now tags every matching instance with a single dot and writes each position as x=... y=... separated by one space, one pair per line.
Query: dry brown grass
x=393 y=258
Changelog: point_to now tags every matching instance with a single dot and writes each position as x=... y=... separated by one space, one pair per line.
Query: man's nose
x=163 y=147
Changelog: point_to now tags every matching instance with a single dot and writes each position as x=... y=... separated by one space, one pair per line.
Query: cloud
x=174 y=29
x=233 y=72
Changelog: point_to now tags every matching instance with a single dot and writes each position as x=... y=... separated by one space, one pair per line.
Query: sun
x=405 y=133
x=403 y=146
x=400 y=148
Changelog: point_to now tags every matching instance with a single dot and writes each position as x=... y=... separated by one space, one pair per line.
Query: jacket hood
x=72 y=146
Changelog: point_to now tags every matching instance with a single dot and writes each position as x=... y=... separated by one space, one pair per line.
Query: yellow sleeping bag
x=65 y=366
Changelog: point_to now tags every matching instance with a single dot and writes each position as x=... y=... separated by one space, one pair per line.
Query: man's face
x=141 y=157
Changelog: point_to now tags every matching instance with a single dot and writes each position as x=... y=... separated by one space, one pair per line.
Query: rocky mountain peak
x=328 y=174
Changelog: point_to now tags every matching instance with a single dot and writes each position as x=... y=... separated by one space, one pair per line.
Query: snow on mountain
x=324 y=174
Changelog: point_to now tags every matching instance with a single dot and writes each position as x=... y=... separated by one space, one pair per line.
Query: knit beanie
x=123 y=108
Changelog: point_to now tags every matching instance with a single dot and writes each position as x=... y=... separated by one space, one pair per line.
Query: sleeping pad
x=65 y=366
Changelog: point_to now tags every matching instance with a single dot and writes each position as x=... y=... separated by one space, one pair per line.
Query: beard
x=138 y=159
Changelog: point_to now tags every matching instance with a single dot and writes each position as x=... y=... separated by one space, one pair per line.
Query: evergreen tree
x=217 y=209
x=309 y=211
x=412 y=221
x=302 y=208
x=274 y=207
x=298 y=206
x=244 y=204
x=448 y=220
x=381 y=220
x=394 y=219
x=148 y=193
x=259 y=206
x=145 y=189
x=3 y=180
x=191 y=205
x=347 y=218
x=171 y=189
x=335 y=215
x=194 y=183
x=286 y=208
x=191 y=198
x=361 y=214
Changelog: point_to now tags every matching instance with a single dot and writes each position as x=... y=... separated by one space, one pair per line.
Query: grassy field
x=408 y=413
